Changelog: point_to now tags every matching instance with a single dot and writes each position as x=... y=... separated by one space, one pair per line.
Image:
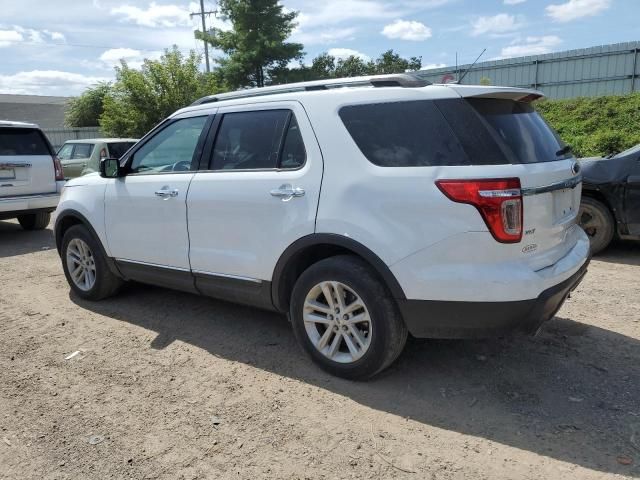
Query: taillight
x=57 y=167
x=499 y=201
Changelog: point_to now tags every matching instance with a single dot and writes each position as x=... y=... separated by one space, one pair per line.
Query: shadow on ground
x=16 y=241
x=572 y=393
x=625 y=253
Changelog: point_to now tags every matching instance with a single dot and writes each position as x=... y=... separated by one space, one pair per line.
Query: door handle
x=165 y=193
x=286 y=192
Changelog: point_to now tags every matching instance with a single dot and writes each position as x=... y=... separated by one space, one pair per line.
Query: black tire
x=35 y=221
x=106 y=283
x=388 y=333
x=596 y=220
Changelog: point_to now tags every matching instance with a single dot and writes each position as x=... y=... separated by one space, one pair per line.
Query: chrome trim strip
x=147 y=264
x=225 y=275
x=564 y=184
x=28 y=197
x=15 y=165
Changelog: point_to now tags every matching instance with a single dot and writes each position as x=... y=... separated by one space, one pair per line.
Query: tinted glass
x=403 y=134
x=519 y=130
x=117 y=149
x=171 y=149
x=82 y=150
x=22 y=141
x=249 y=140
x=293 y=153
x=65 y=152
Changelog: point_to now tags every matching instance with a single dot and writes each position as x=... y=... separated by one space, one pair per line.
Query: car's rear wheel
x=598 y=223
x=345 y=318
x=85 y=266
x=35 y=221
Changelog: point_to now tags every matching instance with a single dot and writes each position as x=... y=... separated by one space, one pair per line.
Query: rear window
x=22 y=141
x=451 y=132
x=403 y=134
x=117 y=149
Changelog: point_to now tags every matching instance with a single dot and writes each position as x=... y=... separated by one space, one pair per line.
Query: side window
x=171 y=149
x=403 y=134
x=293 y=153
x=82 y=150
x=65 y=152
x=249 y=140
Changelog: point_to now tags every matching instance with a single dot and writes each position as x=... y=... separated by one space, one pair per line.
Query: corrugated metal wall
x=57 y=136
x=604 y=70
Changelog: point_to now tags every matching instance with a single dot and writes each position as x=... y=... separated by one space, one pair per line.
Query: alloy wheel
x=337 y=322
x=81 y=264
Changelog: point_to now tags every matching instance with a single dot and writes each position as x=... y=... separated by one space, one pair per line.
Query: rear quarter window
x=403 y=134
x=22 y=141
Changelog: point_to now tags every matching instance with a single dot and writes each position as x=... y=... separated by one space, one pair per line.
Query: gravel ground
x=170 y=385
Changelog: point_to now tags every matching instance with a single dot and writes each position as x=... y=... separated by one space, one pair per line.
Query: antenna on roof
x=469 y=69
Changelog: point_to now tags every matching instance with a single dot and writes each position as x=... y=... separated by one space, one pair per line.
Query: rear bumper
x=29 y=203
x=452 y=319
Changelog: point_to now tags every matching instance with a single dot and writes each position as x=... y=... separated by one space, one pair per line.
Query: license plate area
x=7 y=174
x=563 y=205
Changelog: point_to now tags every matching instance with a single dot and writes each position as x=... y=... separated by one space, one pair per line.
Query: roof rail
x=405 y=80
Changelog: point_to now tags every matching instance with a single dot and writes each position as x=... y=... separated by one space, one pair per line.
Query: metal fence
x=57 y=136
x=603 y=70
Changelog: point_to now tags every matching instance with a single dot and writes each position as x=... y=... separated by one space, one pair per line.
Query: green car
x=79 y=157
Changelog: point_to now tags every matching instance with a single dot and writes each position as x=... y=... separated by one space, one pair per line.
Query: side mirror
x=110 y=168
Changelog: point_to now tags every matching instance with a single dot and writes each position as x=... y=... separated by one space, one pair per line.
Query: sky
x=60 y=47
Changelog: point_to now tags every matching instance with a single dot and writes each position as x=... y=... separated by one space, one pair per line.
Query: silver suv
x=31 y=177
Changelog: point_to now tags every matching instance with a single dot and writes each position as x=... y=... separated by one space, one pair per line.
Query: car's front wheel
x=35 y=221
x=345 y=318
x=85 y=266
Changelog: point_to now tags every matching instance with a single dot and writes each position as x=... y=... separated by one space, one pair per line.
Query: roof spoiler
x=526 y=95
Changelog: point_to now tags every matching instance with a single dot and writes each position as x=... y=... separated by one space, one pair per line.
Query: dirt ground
x=170 y=385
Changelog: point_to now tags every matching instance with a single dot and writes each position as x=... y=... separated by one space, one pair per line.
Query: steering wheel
x=181 y=166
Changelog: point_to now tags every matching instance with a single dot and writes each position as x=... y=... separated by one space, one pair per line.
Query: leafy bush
x=595 y=126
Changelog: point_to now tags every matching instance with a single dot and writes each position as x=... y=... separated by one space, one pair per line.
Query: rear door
x=258 y=195
x=632 y=198
x=505 y=137
x=26 y=162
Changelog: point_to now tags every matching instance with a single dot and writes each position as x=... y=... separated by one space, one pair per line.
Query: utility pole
x=201 y=14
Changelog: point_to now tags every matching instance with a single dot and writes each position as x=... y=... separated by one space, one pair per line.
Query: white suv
x=31 y=176
x=363 y=208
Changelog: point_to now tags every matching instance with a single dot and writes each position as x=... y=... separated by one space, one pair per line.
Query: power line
x=80 y=45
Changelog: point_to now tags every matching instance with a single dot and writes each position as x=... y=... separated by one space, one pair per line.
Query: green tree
x=85 y=110
x=326 y=66
x=140 y=99
x=256 y=46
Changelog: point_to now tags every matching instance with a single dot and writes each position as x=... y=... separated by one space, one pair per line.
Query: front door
x=259 y=195
x=145 y=211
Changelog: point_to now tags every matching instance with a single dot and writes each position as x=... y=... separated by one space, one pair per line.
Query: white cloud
x=47 y=82
x=574 y=9
x=343 y=53
x=323 y=37
x=513 y=2
x=155 y=15
x=407 y=30
x=496 y=25
x=531 y=46
x=20 y=34
x=7 y=37
x=431 y=66
x=134 y=58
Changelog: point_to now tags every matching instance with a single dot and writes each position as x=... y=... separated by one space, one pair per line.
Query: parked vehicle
x=610 y=204
x=80 y=157
x=363 y=208
x=30 y=175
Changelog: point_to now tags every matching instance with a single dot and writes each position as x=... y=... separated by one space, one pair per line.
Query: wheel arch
x=602 y=197
x=308 y=250
x=68 y=219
